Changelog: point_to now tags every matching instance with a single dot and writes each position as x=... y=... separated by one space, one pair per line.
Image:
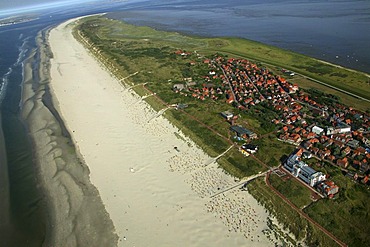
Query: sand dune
x=155 y=195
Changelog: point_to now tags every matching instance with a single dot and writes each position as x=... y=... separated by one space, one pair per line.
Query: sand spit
x=155 y=195
x=77 y=216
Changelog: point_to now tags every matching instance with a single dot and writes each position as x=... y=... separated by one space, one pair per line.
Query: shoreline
x=175 y=202
x=62 y=173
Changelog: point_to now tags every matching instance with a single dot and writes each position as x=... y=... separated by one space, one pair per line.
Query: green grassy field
x=272 y=150
x=297 y=193
x=127 y=49
x=350 y=209
x=286 y=216
x=240 y=166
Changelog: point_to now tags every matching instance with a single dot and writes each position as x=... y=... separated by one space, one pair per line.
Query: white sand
x=155 y=195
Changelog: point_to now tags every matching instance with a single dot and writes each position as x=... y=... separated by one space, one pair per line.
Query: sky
x=20 y=6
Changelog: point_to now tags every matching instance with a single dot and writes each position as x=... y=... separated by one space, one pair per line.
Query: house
x=296 y=138
x=324 y=153
x=250 y=148
x=178 y=87
x=227 y=115
x=311 y=135
x=328 y=143
x=331 y=158
x=346 y=150
x=360 y=151
x=243 y=132
x=353 y=143
x=317 y=130
x=299 y=152
x=356 y=164
x=366 y=179
x=307 y=145
x=323 y=139
x=342 y=162
x=315 y=150
x=328 y=188
x=181 y=106
x=340 y=129
x=364 y=166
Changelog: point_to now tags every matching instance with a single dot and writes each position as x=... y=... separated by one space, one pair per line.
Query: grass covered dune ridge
x=151 y=62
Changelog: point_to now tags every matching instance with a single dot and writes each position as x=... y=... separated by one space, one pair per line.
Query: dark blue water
x=331 y=30
x=335 y=31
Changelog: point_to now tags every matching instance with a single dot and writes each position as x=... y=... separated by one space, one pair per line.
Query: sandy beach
x=145 y=192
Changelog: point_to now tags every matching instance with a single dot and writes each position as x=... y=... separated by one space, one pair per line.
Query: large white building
x=303 y=171
x=340 y=129
x=317 y=130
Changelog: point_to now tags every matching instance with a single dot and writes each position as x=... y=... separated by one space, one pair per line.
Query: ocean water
x=335 y=31
x=23 y=210
x=22 y=216
x=330 y=30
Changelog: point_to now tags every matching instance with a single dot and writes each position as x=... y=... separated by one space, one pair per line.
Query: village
x=315 y=122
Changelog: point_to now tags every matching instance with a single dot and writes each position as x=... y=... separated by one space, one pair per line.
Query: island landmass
x=162 y=133
x=271 y=105
x=17 y=20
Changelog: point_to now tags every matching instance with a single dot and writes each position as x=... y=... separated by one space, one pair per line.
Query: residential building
x=243 y=132
x=250 y=148
x=328 y=188
x=353 y=143
x=340 y=129
x=227 y=115
x=317 y=130
x=178 y=87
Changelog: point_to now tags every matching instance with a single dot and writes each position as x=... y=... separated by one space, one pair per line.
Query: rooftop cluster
x=310 y=118
x=310 y=176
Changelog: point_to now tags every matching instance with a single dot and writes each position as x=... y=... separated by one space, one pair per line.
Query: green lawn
x=350 y=209
x=289 y=218
x=297 y=193
x=235 y=163
x=271 y=150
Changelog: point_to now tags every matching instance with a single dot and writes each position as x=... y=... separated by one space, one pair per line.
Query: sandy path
x=152 y=192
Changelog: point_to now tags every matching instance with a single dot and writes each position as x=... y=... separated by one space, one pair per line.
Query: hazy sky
x=7 y=4
x=18 y=6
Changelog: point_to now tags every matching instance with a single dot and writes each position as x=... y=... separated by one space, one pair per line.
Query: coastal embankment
x=116 y=173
